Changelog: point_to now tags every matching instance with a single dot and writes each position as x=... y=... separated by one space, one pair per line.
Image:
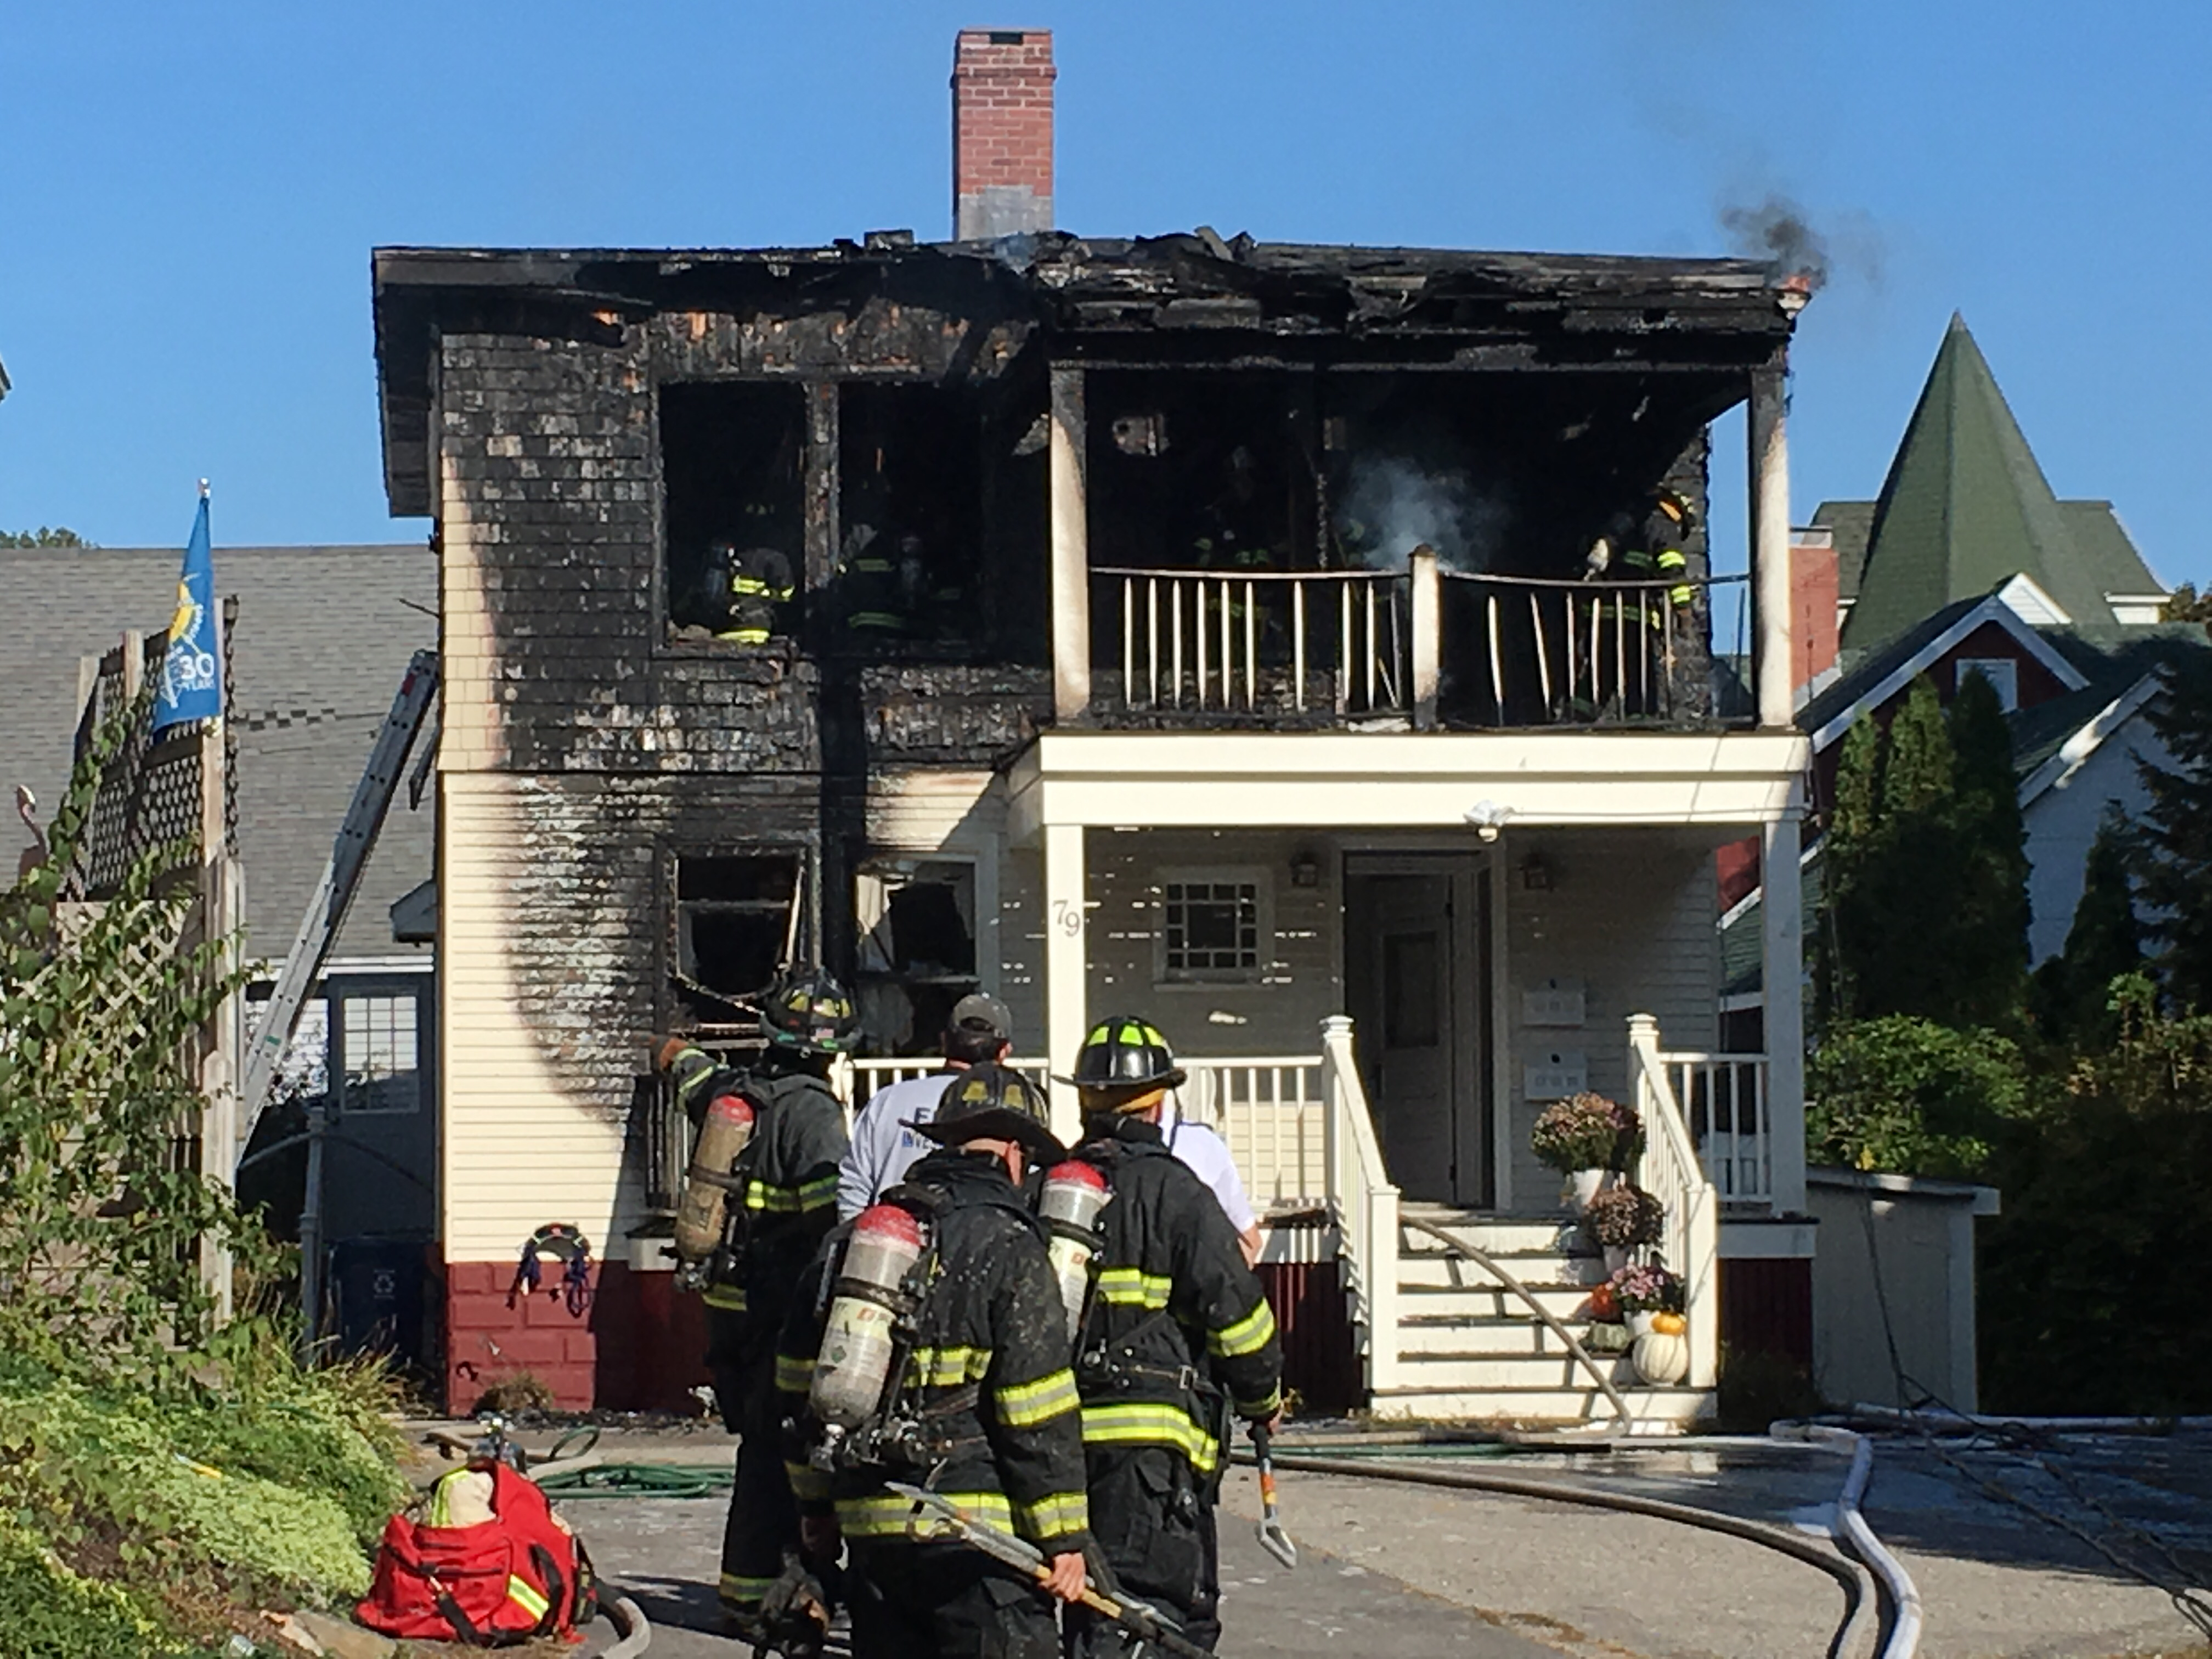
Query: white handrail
x=1268 y=1110
x=1724 y=1099
x=1363 y=1205
x=1671 y=1172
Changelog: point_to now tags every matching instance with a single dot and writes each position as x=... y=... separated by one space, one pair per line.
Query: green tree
x=2071 y=994
x=1925 y=869
x=1908 y=1095
x=43 y=537
x=2091 y=1279
x=2174 y=835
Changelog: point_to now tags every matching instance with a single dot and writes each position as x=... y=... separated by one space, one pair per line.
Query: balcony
x=1421 y=649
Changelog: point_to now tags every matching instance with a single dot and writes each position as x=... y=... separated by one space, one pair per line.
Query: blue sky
x=189 y=192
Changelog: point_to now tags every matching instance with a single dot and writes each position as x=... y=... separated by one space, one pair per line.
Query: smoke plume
x=1393 y=505
x=1776 y=229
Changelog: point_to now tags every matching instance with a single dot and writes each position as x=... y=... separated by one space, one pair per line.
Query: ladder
x=334 y=893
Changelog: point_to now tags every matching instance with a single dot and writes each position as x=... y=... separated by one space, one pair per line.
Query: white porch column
x=1071 y=550
x=1066 y=970
x=1427 y=616
x=1782 y=974
x=1775 y=665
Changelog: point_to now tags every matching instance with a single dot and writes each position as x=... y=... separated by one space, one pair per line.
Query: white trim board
x=2074 y=754
x=1994 y=609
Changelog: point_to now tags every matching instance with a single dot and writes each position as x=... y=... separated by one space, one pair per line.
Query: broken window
x=910 y=517
x=737 y=919
x=733 y=458
x=917 y=955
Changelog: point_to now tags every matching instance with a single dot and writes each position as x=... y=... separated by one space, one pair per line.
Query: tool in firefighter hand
x=1272 y=1539
x=955 y=1523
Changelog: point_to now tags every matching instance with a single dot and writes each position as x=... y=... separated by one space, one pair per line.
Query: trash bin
x=382 y=1290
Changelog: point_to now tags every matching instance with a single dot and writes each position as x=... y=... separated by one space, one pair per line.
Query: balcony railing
x=1723 y=1098
x=1260 y=641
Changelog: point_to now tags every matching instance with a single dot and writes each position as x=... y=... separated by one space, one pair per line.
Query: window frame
x=1260 y=878
x=337 y=997
x=2006 y=685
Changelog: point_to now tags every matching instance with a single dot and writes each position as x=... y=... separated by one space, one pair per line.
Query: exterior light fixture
x=1488 y=817
x=1536 y=876
x=1305 y=870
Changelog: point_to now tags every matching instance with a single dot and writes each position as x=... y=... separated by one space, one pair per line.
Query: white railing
x=1670 y=1171
x=1270 y=1111
x=1724 y=1100
x=1363 y=1205
x=854 y=1082
x=1193 y=640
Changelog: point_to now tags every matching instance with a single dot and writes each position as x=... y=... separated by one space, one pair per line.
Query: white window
x=1215 y=926
x=2001 y=672
x=382 y=1070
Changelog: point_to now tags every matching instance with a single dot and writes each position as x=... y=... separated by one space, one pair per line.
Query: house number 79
x=1067 y=917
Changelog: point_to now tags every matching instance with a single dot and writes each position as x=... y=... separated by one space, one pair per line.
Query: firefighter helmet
x=1127 y=1058
x=808 y=1010
x=1678 y=508
x=993 y=1102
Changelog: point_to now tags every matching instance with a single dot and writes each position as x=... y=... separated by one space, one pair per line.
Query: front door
x=1413 y=988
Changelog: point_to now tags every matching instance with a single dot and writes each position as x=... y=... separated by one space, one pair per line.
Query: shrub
x=1623 y=1218
x=1587 y=1132
x=1905 y=1095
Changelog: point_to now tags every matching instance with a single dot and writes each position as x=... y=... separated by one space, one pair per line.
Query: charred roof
x=1187 y=299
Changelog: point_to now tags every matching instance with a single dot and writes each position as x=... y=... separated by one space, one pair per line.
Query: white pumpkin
x=1660 y=1360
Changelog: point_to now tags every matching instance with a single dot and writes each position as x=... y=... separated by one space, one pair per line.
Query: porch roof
x=1402 y=781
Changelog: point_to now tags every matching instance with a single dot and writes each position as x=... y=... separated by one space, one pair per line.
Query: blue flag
x=191 y=674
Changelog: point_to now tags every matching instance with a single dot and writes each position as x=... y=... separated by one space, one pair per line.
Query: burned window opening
x=917 y=950
x=910 y=557
x=736 y=921
x=733 y=458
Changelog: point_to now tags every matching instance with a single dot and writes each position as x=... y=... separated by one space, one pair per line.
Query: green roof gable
x=1965 y=508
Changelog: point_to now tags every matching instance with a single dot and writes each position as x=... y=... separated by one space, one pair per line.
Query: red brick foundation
x=638 y=1345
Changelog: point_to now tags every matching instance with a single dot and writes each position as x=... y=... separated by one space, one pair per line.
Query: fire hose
x=1856 y=1582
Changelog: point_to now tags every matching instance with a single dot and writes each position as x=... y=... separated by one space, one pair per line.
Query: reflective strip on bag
x=526 y=1595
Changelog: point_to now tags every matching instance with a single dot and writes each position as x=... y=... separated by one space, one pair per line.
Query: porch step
x=1562 y=1299
x=1498 y=1235
x=1512 y=1335
x=1675 y=1407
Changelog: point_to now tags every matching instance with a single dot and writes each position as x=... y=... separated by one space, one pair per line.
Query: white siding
x=2063 y=821
x=1630 y=917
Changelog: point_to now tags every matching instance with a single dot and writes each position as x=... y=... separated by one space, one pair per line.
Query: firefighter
x=751 y=586
x=781 y=1205
x=884 y=1143
x=977 y=1403
x=1179 y=1339
x=1642 y=627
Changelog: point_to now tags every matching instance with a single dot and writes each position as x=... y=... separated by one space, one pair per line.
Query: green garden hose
x=637 y=1480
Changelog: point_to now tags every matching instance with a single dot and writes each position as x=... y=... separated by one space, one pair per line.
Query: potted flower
x=1651 y=1299
x=1622 y=1219
x=1585 y=1137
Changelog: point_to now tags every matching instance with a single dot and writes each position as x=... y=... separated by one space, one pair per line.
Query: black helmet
x=1126 y=1056
x=808 y=1011
x=993 y=1102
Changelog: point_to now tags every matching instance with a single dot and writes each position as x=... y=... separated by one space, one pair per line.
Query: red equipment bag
x=519 y=1576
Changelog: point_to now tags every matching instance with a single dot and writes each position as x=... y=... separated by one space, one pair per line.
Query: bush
x=1911 y=1096
x=48 y=1609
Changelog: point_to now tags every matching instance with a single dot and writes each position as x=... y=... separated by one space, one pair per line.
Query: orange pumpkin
x=1669 y=1324
x=1601 y=1307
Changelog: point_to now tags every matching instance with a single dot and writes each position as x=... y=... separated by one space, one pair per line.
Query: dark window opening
x=917 y=955
x=733 y=457
x=735 y=919
x=1201 y=470
x=911 y=556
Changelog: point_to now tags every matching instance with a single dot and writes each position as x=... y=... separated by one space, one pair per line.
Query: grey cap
x=978 y=1012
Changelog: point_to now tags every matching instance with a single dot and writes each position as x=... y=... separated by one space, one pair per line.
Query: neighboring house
x=321 y=638
x=1052 y=748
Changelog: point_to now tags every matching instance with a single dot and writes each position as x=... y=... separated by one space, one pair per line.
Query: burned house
x=1183 y=624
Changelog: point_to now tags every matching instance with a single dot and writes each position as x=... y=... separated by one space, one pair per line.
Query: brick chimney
x=1814 y=622
x=1002 y=133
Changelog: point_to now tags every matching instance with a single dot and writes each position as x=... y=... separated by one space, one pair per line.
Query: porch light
x=1305 y=871
x=1488 y=817
x=1536 y=876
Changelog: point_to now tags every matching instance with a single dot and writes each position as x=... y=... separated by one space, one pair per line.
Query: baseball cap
x=978 y=1012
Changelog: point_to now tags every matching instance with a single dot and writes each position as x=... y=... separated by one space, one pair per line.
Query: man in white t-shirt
x=980 y=1031
x=1207 y=1157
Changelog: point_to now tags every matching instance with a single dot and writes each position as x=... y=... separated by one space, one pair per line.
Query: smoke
x=1777 y=230
x=1393 y=505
